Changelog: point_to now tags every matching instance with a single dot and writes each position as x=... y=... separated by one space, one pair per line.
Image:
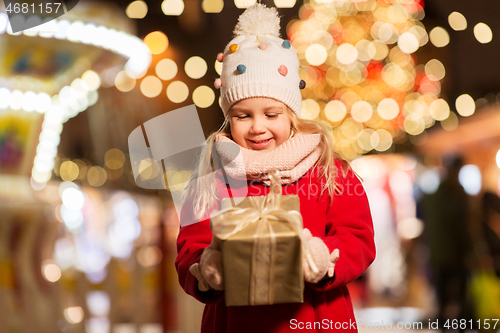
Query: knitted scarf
x=293 y=158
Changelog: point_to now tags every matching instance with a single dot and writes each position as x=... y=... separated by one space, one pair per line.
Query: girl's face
x=259 y=123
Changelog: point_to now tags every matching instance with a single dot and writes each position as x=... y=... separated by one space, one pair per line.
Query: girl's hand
x=324 y=260
x=209 y=271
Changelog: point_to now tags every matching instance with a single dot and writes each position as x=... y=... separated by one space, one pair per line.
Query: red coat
x=346 y=224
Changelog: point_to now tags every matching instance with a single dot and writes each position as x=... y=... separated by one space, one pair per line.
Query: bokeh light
x=114 y=159
x=50 y=271
x=457 y=21
x=166 y=69
x=450 y=123
x=96 y=176
x=124 y=82
x=483 y=33
x=196 y=67
x=68 y=171
x=347 y=54
x=470 y=178
x=285 y=3
x=92 y=80
x=177 y=91
x=316 y=54
x=439 y=109
x=408 y=43
x=172 y=7
x=203 y=96
x=212 y=6
x=310 y=109
x=435 y=70
x=151 y=86
x=439 y=37
x=361 y=111
x=137 y=10
x=465 y=105
x=244 y=3
x=335 y=111
x=156 y=41
x=74 y=314
x=388 y=109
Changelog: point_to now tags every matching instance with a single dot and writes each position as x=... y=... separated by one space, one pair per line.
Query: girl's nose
x=257 y=126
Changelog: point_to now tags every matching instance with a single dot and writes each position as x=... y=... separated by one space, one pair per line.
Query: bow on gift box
x=262 y=211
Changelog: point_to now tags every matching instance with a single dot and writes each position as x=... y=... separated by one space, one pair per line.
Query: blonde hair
x=201 y=187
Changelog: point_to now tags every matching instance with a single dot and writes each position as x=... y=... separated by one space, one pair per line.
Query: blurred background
x=409 y=88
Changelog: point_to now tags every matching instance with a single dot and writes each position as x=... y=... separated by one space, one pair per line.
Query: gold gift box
x=263 y=261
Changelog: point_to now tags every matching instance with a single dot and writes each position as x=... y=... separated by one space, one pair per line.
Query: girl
x=261 y=100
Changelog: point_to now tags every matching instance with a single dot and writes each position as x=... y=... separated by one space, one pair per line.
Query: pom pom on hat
x=259 y=63
x=258 y=20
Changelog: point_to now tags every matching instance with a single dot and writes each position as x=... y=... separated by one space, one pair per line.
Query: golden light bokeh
x=177 y=91
x=366 y=50
x=218 y=67
x=203 y=96
x=465 y=105
x=96 y=176
x=457 y=21
x=361 y=111
x=335 y=111
x=347 y=54
x=92 y=80
x=244 y=3
x=450 y=123
x=381 y=140
x=166 y=69
x=388 y=109
x=172 y=7
x=74 y=314
x=114 y=158
x=68 y=171
x=310 y=109
x=156 y=41
x=434 y=69
x=51 y=272
x=483 y=33
x=137 y=10
x=439 y=37
x=408 y=43
x=285 y=3
x=414 y=124
x=123 y=82
x=151 y=86
x=316 y=54
x=439 y=109
x=196 y=67
x=212 y=6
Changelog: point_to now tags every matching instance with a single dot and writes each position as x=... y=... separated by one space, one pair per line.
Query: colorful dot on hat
x=283 y=70
x=302 y=84
x=286 y=44
x=220 y=57
x=263 y=46
x=233 y=48
x=241 y=68
x=218 y=83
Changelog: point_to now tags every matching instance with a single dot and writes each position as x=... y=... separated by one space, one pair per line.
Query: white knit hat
x=258 y=63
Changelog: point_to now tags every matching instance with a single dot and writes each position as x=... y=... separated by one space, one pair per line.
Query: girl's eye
x=241 y=117
x=272 y=115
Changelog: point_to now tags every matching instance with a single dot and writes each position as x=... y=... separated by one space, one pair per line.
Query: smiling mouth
x=260 y=141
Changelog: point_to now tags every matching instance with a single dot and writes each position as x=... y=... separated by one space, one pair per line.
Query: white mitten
x=324 y=260
x=209 y=270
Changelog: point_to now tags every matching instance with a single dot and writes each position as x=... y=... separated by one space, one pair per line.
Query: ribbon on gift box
x=233 y=220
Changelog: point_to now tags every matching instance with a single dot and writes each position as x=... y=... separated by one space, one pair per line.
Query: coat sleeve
x=349 y=228
x=193 y=238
